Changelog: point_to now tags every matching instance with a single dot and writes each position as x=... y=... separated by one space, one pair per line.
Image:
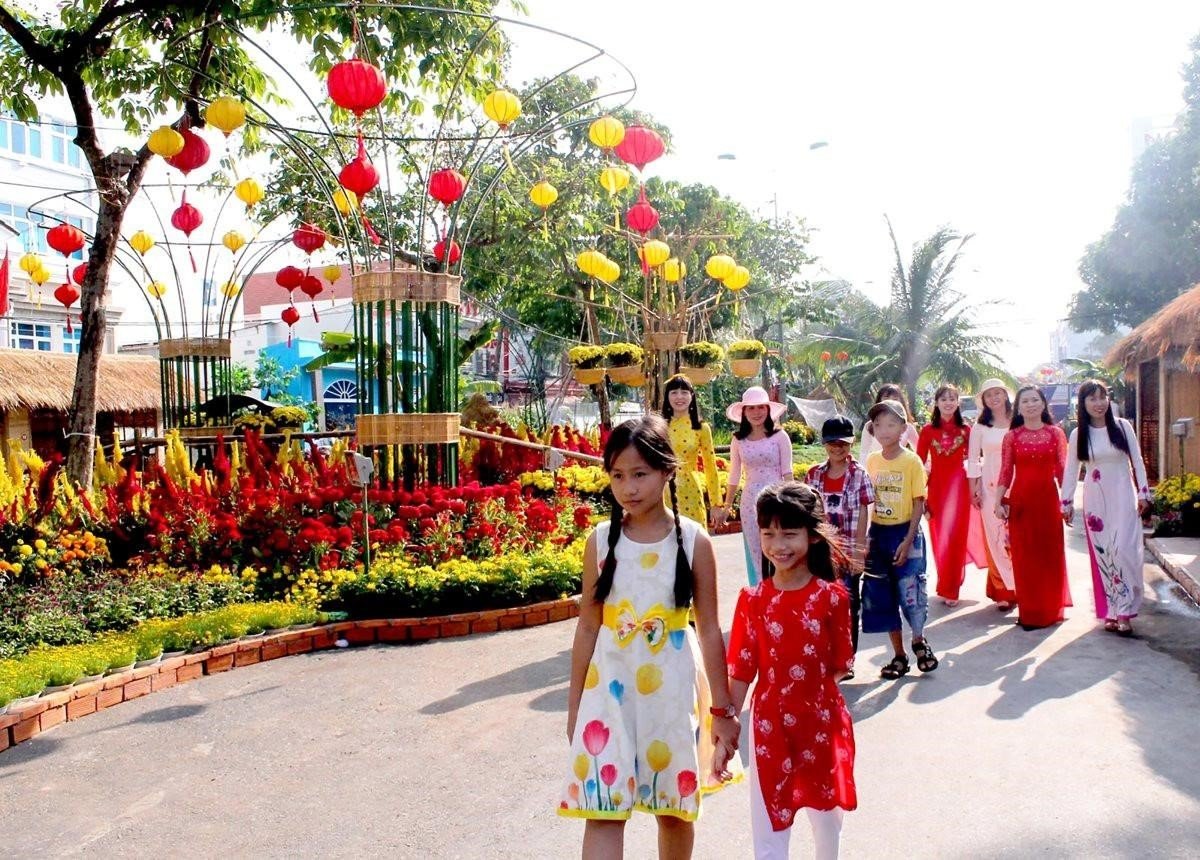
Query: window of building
x=33 y=229
x=24 y=335
x=51 y=141
x=70 y=341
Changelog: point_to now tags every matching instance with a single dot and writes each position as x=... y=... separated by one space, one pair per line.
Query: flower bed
x=1177 y=506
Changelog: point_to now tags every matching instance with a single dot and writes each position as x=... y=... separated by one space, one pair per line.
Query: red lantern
x=356 y=85
x=359 y=175
x=640 y=146
x=641 y=216
x=446 y=186
x=439 y=251
x=311 y=286
x=289 y=277
x=843 y=356
x=194 y=153
x=79 y=273
x=187 y=217
x=65 y=238
x=291 y=316
x=308 y=238
x=825 y=356
x=67 y=295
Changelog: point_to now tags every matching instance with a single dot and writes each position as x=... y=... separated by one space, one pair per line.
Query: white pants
x=771 y=844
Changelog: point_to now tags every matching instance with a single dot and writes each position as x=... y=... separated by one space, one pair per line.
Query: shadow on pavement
x=550 y=672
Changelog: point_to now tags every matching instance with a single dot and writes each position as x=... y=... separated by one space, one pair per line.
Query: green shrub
x=702 y=353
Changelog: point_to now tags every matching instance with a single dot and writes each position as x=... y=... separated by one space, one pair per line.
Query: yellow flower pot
x=745 y=367
x=699 y=375
x=627 y=375
x=589 y=375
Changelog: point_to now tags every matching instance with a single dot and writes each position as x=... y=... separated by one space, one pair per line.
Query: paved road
x=1062 y=743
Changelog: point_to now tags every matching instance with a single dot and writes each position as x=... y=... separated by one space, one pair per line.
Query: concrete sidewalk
x=1068 y=742
x=1180 y=558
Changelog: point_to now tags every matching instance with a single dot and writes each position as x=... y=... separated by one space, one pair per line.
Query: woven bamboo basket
x=406 y=285
x=745 y=367
x=666 y=341
x=188 y=347
x=589 y=375
x=627 y=375
x=439 y=428
x=698 y=375
x=225 y=430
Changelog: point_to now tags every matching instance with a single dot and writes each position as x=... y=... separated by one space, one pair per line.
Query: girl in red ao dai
x=791 y=638
x=640 y=715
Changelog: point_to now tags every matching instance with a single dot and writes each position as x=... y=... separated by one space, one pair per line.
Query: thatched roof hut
x=1175 y=326
x=32 y=380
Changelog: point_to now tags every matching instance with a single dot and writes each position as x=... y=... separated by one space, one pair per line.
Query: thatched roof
x=30 y=379
x=1177 y=325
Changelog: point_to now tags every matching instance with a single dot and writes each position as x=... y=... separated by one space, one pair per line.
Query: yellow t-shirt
x=897 y=484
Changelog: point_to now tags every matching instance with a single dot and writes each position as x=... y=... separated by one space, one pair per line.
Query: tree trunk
x=93 y=326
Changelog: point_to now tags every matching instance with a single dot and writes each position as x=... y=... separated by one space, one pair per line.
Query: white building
x=38 y=163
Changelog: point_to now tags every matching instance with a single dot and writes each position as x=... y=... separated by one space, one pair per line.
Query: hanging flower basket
x=589 y=375
x=698 y=375
x=745 y=368
x=627 y=375
x=667 y=341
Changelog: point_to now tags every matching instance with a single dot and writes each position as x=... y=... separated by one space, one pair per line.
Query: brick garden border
x=83 y=699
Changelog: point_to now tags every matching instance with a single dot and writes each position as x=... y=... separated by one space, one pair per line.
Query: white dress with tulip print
x=637 y=742
x=1113 y=483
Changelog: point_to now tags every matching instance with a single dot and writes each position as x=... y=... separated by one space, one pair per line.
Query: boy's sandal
x=927 y=661
x=1110 y=625
x=895 y=669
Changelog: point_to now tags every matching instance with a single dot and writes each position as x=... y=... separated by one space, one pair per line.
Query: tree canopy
x=1152 y=251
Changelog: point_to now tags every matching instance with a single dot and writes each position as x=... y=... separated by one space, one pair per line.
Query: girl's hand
x=720 y=762
x=720 y=515
x=726 y=730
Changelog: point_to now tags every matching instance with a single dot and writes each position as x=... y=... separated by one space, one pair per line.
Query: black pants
x=854 y=586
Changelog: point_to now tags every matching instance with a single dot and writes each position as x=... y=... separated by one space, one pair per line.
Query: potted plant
x=667 y=340
x=149 y=644
x=625 y=363
x=745 y=357
x=699 y=361
x=121 y=658
x=289 y=417
x=587 y=363
x=94 y=662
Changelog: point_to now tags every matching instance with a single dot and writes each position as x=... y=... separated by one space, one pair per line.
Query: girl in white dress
x=1115 y=496
x=639 y=715
x=983 y=470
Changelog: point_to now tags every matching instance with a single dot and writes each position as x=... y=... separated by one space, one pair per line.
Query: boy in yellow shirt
x=894 y=579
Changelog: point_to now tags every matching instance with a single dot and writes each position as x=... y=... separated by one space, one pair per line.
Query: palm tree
x=926 y=332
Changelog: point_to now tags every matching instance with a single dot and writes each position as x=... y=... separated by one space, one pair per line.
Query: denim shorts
x=890 y=590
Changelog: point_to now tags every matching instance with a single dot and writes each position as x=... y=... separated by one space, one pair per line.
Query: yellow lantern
x=614 y=180
x=141 y=241
x=226 y=113
x=332 y=273
x=249 y=191
x=609 y=271
x=543 y=195
x=606 y=132
x=230 y=289
x=590 y=262
x=654 y=253
x=233 y=240
x=30 y=263
x=345 y=200
x=40 y=275
x=720 y=266
x=157 y=289
x=165 y=141
x=502 y=108
x=738 y=278
x=674 y=270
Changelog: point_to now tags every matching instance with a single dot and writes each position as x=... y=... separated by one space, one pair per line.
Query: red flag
x=4 y=285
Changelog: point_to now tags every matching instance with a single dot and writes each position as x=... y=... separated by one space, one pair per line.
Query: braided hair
x=649 y=436
x=796 y=505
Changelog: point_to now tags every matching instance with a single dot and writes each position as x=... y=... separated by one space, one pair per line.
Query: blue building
x=333 y=388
